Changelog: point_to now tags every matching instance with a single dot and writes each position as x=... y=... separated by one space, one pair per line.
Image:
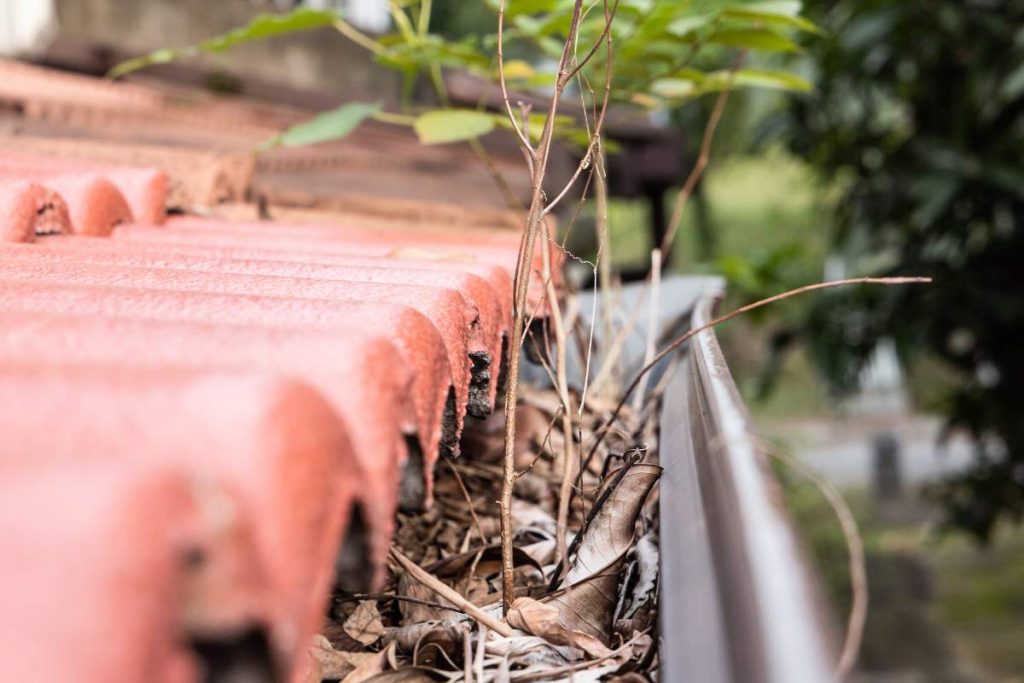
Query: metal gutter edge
x=737 y=601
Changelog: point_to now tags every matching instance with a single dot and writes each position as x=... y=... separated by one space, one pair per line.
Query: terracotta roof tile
x=357 y=373
x=143 y=189
x=456 y=319
x=420 y=345
x=28 y=209
x=262 y=520
x=292 y=368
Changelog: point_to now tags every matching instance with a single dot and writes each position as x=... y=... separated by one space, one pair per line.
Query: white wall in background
x=26 y=26
x=368 y=15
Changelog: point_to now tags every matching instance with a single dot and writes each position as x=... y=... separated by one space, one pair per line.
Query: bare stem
x=679 y=341
x=858 y=571
x=522 y=281
x=450 y=594
x=702 y=159
x=564 y=465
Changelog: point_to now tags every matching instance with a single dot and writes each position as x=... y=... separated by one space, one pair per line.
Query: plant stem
x=682 y=339
x=564 y=465
x=522 y=281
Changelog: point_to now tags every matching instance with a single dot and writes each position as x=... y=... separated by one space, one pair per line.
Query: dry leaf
x=370 y=667
x=542 y=620
x=407 y=674
x=587 y=600
x=365 y=624
x=414 y=612
x=333 y=664
x=647 y=562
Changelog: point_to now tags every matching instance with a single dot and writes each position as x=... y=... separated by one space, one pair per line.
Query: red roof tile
x=357 y=373
x=291 y=367
x=28 y=209
x=283 y=474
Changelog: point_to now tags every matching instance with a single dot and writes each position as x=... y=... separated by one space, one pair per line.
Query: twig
x=467 y=658
x=563 y=465
x=679 y=341
x=501 y=82
x=605 y=34
x=702 y=159
x=522 y=281
x=652 y=323
x=858 y=569
x=469 y=501
x=402 y=598
x=478 y=663
x=450 y=594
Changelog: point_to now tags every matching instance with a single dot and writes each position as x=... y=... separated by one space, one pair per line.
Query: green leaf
x=761 y=78
x=674 y=88
x=452 y=125
x=330 y=125
x=262 y=26
x=754 y=39
x=686 y=25
x=782 y=13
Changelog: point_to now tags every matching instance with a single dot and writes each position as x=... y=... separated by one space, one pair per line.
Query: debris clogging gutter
x=737 y=600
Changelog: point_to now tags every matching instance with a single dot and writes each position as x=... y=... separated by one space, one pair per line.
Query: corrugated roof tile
x=265 y=456
x=357 y=373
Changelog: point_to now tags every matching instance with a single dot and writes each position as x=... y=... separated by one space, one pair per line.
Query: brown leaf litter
x=439 y=617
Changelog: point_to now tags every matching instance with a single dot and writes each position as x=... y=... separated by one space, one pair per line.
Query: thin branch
x=469 y=501
x=679 y=341
x=501 y=80
x=702 y=159
x=522 y=281
x=359 y=38
x=652 y=322
x=858 y=570
x=402 y=598
x=582 y=166
x=608 y=16
x=563 y=465
x=450 y=594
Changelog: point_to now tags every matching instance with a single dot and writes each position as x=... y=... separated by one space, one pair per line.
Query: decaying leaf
x=647 y=562
x=542 y=619
x=370 y=667
x=586 y=600
x=407 y=674
x=415 y=612
x=405 y=638
x=365 y=624
x=329 y=663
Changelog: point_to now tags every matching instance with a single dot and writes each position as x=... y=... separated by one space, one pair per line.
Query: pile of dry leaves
x=594 y=618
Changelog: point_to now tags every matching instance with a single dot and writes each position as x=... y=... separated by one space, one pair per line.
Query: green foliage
x=452 y=125
x=331 y=125
x=921 y=107
x=656 y=64
x=262 y=26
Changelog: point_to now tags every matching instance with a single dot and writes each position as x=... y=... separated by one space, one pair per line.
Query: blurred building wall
x=319 y=60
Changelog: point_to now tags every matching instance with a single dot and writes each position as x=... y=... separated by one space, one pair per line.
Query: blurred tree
x=920 y=111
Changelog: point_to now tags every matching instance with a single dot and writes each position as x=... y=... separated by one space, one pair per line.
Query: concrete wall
x=319 y=60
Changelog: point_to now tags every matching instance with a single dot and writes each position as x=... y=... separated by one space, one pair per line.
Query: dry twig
x=522 y=279
x=679 y=341
x=858 y=570
x=449 y=594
